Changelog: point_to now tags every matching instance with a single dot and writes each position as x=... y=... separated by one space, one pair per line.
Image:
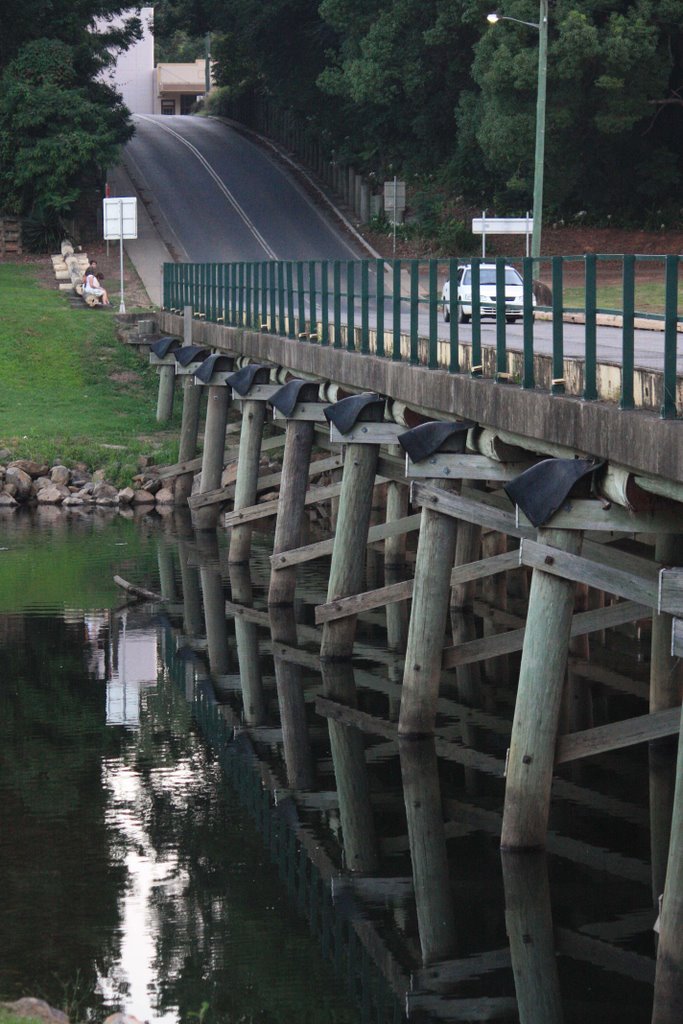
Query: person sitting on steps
x=92 y=287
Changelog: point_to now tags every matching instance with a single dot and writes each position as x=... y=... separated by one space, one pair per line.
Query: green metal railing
x=394 y=309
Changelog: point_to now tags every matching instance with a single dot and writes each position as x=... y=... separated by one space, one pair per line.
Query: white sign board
x=395 y=191
x=120 y=217
x=502 y=225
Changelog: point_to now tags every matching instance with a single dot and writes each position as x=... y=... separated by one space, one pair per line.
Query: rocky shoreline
x=24 y=482
x=32 y=1009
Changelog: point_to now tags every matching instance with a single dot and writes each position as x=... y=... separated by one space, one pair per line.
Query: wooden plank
x=265 y=483
x=616 y=735
x=257 y=393
x=309 y=411
x=677 y=638
x=447 y=466
x=403 y=590
x=608 y=677
x=448 y=1008
x=267 y=509
x=368 y=433
x=467 y=507
x=592 y=515
x=603 y=954
x=453 y=972
x=321 y=548
x=505 y=643
x=670 y=595
x=584 y=570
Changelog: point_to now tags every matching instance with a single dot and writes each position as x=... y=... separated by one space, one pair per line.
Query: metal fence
x=394 y=309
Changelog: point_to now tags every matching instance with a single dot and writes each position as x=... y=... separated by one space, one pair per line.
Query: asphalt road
x=213 y=195
x=216 y=196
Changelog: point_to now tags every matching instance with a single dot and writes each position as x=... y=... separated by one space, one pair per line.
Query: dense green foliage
x=70 y=389
x=428 y=87
x=60 y=126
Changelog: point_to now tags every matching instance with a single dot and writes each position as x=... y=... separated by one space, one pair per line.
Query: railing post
x=240 y=295
x=336 y=298
x=628 y=317
x=282 y=328
x=248 y=296
x=433 y=353
x=528 y=380
x=301 y=297
x=290 y=299
x=364 y=307
x=272 y=304
x=350 y=307
x=670 y=336
x=312 y=304
x=264 y=293
x=414 y=310
x=379 y=303
x=501 y=319
x=454 y=326
x=396 y=317
x=477 y=367
x=590 y=389
x=557 y=386
x=324 y=303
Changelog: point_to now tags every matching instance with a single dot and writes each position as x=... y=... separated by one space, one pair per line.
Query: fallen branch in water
x=139 y=592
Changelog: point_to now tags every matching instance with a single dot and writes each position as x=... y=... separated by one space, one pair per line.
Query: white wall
x=133 y=74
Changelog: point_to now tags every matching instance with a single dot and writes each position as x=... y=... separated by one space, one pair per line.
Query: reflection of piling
x=427 y=838
x=292 y=706
x=350 y=772
x=246 y=636
x=166 y=571
x=246 y=483
x=539 y=697
x=214 y=607
x=668 y=999
x=193 y=622
x=529 y=926
x=218 y=403
x=290 y=516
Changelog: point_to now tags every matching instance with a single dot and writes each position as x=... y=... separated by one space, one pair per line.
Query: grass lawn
x=70 y=389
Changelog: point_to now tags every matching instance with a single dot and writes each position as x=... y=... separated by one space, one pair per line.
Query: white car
x=487 y=293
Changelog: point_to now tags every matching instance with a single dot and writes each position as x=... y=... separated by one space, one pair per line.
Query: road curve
x=219 y=197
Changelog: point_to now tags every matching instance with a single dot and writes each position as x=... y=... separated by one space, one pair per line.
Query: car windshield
x=487 y=276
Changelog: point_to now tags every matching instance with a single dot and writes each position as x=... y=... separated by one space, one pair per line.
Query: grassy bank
x=70 y=389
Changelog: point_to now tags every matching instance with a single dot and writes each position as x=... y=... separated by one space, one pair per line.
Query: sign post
x=120 y=221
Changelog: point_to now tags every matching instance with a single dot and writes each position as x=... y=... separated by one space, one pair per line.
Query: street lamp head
x=493 y=17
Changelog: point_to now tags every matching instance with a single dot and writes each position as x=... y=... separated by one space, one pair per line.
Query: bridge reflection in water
x=388 y=846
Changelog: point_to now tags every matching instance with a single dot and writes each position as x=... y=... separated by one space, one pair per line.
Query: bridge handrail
x=373 y=306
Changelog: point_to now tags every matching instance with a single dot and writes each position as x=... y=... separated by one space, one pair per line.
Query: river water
x=168 y=850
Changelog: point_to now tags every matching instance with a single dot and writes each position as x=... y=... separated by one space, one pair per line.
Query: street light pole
x=539 y=155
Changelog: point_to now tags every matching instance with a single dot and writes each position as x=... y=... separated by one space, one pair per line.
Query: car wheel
x=446 y=315
x=463 y=318
x=512 y=319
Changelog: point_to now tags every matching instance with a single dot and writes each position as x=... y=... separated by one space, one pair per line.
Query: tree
x=60 y=126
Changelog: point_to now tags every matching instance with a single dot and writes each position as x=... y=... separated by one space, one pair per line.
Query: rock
x=152 y=486
x=10 y=489
x=165 y=496
x=7 y=501
x=51 y=495
x=101 y=491
x=73 y=500
x=29 y=466
x=60 y=475
x=229 y=474
x=87 y=488
x=126 y=495
x=98 y=476
x=5 y=455
x=144 y=461
x=122 y=1018
x=38 y=1009
x=143 y=497
x=21 y=480
x=40 y=482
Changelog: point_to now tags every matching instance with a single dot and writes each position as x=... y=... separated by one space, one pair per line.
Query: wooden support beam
x=265 y=483
x=267 y=509
x=321 y=548
x=616 y=735
x=445 y=466
x=368 y=433
x=506 y=643
x=448 y=1008
x=404 y=590
x=584 y=570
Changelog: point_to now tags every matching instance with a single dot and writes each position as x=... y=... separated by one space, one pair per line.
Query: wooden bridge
x=573 y=507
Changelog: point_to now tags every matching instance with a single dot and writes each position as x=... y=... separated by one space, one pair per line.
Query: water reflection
x=167 y=889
